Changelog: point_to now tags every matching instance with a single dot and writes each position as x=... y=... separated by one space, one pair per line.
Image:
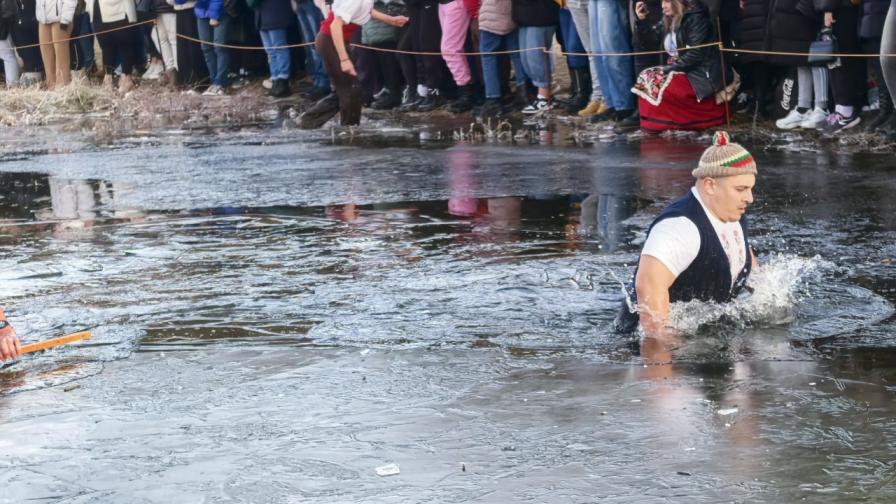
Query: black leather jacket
x=703 y=66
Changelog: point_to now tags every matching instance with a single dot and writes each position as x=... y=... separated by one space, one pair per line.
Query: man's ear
x=709 y=185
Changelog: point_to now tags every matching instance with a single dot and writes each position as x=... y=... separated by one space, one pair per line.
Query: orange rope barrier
x=252 y=48
x=79 y=37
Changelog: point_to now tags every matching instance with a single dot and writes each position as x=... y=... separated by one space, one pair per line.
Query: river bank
x=86 y=112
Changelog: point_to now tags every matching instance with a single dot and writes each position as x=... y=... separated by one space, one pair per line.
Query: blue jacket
x=708 y=278
x=208 y=9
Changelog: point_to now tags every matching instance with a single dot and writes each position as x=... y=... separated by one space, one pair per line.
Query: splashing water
x=778 y=287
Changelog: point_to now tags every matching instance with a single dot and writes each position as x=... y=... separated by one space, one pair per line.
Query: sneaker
x=814 y=118
x=593 y=108
x=793 y=119
x=387 y=100
x=214 y=90
x=539 y=105
x=431 y=101
x=836 y=123
x=267 y=83
x=154 y=71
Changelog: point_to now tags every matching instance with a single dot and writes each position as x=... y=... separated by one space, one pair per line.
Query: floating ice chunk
x=388 y=470
x=727 y=411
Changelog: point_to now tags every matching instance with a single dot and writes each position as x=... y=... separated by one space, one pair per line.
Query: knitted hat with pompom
x=724 y=159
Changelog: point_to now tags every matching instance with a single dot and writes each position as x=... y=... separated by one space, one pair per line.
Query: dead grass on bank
x=33 y=106
x=149 y=105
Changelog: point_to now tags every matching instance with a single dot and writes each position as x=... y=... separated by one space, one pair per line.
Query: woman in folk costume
x=691 y=91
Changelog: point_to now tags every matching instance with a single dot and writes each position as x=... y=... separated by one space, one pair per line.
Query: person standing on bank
x=697 y=248
x=119 y=45
x=337 y=29
x=10 y=347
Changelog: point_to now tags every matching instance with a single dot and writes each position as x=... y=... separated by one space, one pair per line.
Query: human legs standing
x=310 y=17
x=579 y=11
x=455 y=22
x=536 y=59
x=610 y=33
x=217 y=58
x=278 y=60
x=888 y=64
x=10 y=63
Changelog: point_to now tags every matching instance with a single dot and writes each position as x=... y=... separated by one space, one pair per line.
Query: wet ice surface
x=275 y=320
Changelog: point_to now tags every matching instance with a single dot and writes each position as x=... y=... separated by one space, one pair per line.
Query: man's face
x=729 y=197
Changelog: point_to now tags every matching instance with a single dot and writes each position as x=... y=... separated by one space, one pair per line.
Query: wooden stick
x=50 y=343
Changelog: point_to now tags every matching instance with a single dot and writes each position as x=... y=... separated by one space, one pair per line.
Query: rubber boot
x=580 y=79
x=883 y=113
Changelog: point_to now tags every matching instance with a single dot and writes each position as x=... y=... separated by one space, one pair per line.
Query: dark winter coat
x=754 y=28
x=8 y=10
x=274 y=15
x=535 y=12
x=874 y=13
x=162 y=7
x=703 y=66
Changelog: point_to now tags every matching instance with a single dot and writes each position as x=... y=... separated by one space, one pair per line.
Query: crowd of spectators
x=650 y=64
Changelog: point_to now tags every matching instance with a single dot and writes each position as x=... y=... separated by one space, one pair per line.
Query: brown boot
x=172 y=77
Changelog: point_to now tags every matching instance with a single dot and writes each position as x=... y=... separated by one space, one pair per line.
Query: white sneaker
x=214 y=90
x=154 y=71
x=792 y=120
x=539 y=105
x=814 y=119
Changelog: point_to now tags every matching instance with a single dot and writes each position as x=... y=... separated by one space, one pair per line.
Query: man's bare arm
x=652 y=286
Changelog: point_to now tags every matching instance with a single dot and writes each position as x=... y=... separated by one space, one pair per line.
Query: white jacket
x=55 y=11
x=114 y=10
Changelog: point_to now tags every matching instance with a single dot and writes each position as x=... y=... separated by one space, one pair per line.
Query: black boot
x=889 y=127
x=464 y=101
x=884 y=112
x=580 y=90
x=628 y=124
x=491 y=108
x=431 y=101
x=279 y=88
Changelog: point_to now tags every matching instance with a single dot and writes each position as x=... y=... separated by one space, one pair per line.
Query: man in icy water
x=10 y=348
x=697 y=248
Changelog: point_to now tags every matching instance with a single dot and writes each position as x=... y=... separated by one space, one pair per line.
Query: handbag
x=822 y=51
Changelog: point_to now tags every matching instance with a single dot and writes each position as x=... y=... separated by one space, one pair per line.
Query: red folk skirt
x=680 y=109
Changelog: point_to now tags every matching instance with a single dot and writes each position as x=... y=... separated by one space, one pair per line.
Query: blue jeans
x=610 y=33
x=310 y=17
x=278 y=59
x=490 y=42
x=571 y=41
x=537 y=63
x=217 y=59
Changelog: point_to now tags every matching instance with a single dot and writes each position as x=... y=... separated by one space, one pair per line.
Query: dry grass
x=33 y=106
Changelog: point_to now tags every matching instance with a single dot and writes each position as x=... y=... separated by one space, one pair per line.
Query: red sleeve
x=472 y=7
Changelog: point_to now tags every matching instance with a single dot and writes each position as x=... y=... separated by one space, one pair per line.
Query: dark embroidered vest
x=708 y=278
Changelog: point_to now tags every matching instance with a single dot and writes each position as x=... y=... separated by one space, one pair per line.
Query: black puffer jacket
x=8 y=10
x=874 y=13
x=754 y=29
x=703 y=66
x=535 y=12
